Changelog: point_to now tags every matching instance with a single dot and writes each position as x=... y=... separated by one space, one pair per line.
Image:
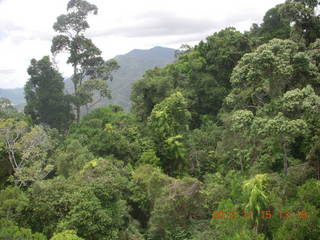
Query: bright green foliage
x=92 y=203
x=168 y=120
x=34 y=147
x=270 y=111
x=282 y=130
x=49 y=202
x=170 y=117
x=110 y=131
x=270 y=71
x=258 y=199
x=220 y=129
x=99 y=210
x=46 y=102
x=66 y=235
x=9 y=230
x=27 y=150
x=149 y=157
x=175 y=151
x=241 y=120
x=90 y=71
x=95 y=213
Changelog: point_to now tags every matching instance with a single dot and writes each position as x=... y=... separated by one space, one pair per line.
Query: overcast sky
x=120 y=26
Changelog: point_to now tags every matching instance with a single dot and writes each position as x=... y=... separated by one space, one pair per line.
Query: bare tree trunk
x=78 y=113
x=75 y=84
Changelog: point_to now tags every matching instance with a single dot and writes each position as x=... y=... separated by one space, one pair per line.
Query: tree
x=283 y=130
x=90 y=71
x=11 y=131
x=151 y=89
x=9 y=230
x=258 y=199
x=268 y=72
x=6 y=109
x=66 y=235
x=71 y=160
x=200 y=144
x=12 y=202
x=46 y=102
x=27 y=150
x=201 y=73
x=168 y=121
x=304 y=17
x=108 y=131
x=91 y=202
x=274 y=26
x=177 y=209
x=146 y=186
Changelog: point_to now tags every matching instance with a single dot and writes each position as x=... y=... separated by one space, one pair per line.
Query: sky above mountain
x=120 y=26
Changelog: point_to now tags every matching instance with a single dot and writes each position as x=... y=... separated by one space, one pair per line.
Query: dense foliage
x=222 y=144
x=44 y=92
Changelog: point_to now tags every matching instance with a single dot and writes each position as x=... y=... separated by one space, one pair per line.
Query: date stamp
x=263 y=214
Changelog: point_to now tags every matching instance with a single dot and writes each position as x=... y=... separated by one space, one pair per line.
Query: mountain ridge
x=132 y=67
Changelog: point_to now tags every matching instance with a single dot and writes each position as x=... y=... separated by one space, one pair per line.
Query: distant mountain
x=15 y=95
x=132 y=67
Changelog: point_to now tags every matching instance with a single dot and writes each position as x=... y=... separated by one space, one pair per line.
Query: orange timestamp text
x=264 y=214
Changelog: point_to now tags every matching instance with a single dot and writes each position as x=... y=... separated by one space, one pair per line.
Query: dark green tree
x=46 y=102
x=9 y=230
x=304 y=17
x=90 y=71
x=274 y=25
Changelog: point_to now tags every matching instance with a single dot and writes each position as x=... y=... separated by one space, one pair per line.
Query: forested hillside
x=222 y=144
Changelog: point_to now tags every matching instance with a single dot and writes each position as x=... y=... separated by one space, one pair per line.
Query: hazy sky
x=120 y=26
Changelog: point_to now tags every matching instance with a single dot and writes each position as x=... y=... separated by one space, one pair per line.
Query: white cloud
x=120 y=26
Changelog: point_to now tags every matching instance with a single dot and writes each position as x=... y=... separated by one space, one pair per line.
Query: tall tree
x=90 y=71
x=305 y=18
x=46 y=102
x=274 y=25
